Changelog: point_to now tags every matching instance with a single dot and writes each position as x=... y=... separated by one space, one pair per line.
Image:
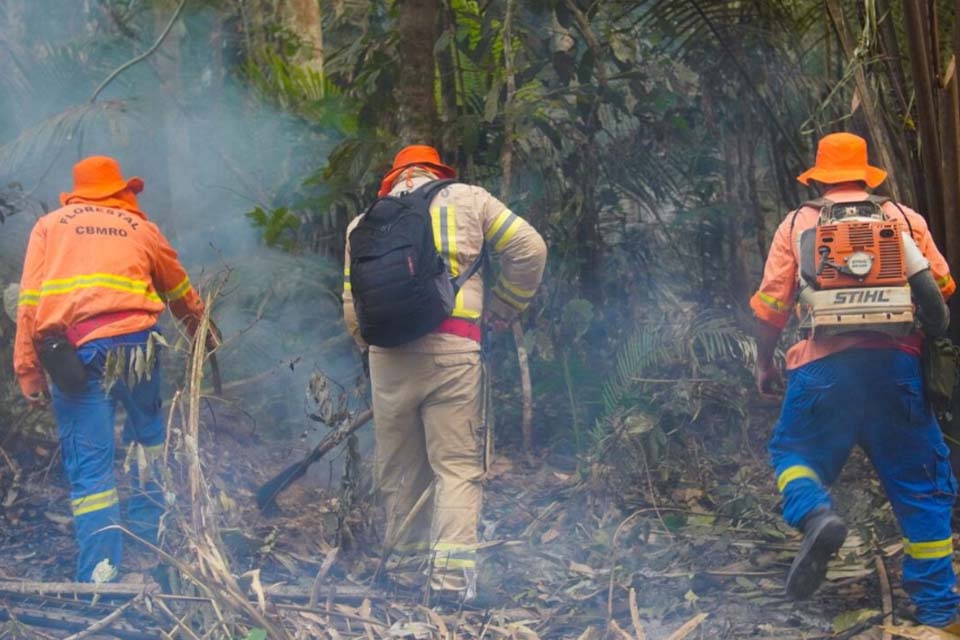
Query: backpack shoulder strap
x=817 y=204
x=426 y=191
x=882 y=200
x=461 y=280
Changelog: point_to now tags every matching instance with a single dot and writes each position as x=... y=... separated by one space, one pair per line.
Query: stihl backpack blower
x=854 y=269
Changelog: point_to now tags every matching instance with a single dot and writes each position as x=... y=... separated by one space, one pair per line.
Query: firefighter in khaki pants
x=427 y=393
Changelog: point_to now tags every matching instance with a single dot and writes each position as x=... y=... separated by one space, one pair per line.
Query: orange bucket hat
x=99 y=177
x=415 y=155
x=842 y=157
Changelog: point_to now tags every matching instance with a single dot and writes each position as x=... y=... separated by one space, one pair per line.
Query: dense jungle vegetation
x=655 y=145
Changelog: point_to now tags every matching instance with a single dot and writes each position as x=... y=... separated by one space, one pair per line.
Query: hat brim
x=873 y=176
x=442 y=170
x=104 y=190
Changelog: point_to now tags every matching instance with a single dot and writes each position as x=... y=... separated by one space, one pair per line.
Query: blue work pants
x=85 y=423
x=873 y=398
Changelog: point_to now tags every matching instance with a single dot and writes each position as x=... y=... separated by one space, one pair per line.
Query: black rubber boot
x=823 y=535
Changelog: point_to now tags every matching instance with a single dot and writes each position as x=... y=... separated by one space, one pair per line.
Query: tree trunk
x=874 y=121
x=449 y=98
x=950 y=114
x=417 y=109
x=927 y=120
x=305 y=20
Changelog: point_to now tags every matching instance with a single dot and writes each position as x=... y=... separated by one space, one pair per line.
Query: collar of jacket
x=125 y=200
x=846 y=194
x=411 y=179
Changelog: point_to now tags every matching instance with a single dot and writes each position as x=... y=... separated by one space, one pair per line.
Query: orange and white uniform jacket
x=466 y=217
x=91 y=258
x=775 y=299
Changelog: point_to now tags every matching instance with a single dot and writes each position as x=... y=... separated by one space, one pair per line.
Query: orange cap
x=419 y=155
x=842 y=157
x=99 y=177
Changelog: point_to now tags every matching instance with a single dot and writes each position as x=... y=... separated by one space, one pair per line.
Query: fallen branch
x=402 y=529
x=688 y=627
x=886 y=595
x=78 y=588
x=526 y=388
x=106 y=621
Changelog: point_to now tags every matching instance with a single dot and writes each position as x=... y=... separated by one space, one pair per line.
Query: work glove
x=38 y=400
x=495 y=322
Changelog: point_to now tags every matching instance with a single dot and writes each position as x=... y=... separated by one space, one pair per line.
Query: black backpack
x=402 y=287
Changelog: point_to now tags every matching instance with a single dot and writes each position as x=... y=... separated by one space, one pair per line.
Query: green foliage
x=299 y=89
x=277 y=225
x=688 y=347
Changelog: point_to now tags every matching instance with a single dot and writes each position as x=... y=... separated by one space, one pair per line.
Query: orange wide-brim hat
x=99 y=177
x=842 y=157
x=415 y=155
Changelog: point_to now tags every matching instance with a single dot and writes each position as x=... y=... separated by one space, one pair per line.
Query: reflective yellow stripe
x=795 y=473
x=513 y=294
x=445 y=240
x=448 y=231
x=153 y=450
x=770 y=301
x=94 y=502
x=29 y=297
x=102 y=280
x=454 y=546
x=466 y=314
x=454 y=555
x=505 y=296
x=928 y=550
x=409 y=547
x=502 y=229
x=346 y=279
x=454 y=563
x=177 y=292
x=497 y=223
x=515 y=290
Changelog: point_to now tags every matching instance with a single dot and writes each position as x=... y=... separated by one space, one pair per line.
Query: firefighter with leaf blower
x=413 y=292
x=869 y=286
x=96 y=276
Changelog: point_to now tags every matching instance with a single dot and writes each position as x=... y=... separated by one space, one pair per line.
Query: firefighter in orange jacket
x=861 y=387
x=95 y=278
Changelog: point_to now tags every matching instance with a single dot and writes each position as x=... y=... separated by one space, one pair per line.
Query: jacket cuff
x=947 y=286
x=764 y=309
x=497 y=307
x=33 y=383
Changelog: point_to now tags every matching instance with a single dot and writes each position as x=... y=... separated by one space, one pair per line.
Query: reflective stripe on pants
x=85 y=427
x=426 y=409
x=873 y=398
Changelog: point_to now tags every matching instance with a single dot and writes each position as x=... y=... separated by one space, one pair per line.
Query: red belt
x=459 y=327
x=82 y=329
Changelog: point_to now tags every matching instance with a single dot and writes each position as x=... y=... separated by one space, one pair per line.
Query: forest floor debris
x=703 y=558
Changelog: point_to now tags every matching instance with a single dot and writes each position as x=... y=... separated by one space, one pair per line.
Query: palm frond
x=48 y=138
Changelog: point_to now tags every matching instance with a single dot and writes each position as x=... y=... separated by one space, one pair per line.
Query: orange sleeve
x=938 y=264
x=26 y=363
x=174 y=286
x=775 y=298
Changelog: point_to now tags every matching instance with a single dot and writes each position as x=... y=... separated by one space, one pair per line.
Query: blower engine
x=853 y=274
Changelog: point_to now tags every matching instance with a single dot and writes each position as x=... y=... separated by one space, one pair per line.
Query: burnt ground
x=690 y=547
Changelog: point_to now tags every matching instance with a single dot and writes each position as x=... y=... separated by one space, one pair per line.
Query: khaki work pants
x=426 y=409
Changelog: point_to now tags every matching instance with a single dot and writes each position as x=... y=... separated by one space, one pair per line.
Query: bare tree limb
x=143 y=56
